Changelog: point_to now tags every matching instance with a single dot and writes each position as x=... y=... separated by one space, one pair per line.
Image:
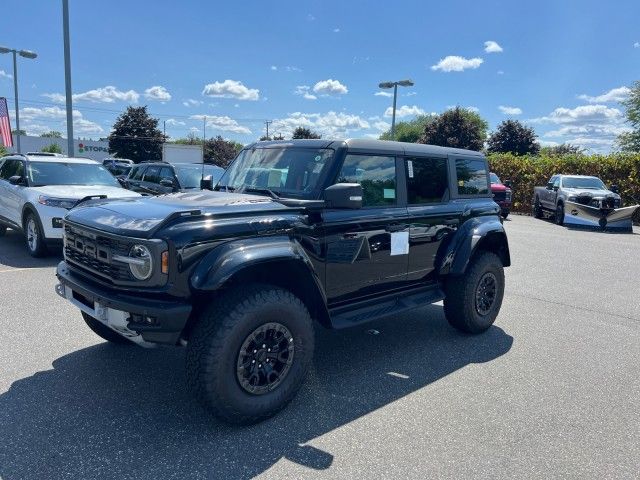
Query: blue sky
x=561 y=66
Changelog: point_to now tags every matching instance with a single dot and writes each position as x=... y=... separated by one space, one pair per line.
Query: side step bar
x=366 y=311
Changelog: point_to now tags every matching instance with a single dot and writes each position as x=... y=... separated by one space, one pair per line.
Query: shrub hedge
x=525 y=172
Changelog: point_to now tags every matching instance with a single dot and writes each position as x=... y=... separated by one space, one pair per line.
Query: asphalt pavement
x=551 y=391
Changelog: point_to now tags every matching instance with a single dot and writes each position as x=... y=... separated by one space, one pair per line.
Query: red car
x=501 y=193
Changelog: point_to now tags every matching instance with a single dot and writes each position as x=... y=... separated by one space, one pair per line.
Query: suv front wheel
x=34 y=236
x=249 y=353
x=473 y=299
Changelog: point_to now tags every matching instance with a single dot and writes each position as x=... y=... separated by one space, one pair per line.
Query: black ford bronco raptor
x=334 y=232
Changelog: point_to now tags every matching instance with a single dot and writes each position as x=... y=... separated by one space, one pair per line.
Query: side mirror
x=615 y=189
x=167 y=183
x=507 y=183
x=554 y=188
x=344 y=195
x=18 y=180
x=549 y=186
x=206 y=183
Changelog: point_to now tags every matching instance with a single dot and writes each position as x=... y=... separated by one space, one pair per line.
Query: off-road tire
x=559 y=215
x=537 y=209
x=34 y=236
x=215 y=342
x=103 y=331
x=460 y=301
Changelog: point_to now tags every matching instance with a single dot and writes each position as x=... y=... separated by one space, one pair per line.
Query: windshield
x=189 y=176
x=494 y=178
x=286 y=171
x=583 y=182
x=59 y=173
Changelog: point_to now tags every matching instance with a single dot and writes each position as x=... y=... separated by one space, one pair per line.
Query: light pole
x=67 y=76
x=25 y=54
x=394 y=85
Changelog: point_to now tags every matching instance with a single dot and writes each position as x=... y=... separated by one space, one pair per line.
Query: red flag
x=5 y=124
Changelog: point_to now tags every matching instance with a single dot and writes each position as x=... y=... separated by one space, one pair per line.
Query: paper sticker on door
x=389 y=193
x=400 y=243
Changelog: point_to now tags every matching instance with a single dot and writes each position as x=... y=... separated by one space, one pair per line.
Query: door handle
x=395 y=228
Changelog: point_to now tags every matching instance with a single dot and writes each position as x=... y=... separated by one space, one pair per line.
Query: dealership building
x=94 y=149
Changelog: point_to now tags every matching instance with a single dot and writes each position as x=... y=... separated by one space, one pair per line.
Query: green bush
x=525 y=172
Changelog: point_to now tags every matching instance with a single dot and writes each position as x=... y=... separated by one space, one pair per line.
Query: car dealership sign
x=94 y=149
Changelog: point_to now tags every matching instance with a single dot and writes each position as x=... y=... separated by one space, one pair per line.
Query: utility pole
x=164 y=128
x=267 y=123
x=67 y=76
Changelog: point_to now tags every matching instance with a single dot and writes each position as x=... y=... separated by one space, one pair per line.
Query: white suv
x=37 y=191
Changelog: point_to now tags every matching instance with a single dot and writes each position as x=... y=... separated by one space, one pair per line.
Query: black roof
x=369 y=145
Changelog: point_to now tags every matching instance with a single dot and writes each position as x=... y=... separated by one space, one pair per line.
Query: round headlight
x=142 y=266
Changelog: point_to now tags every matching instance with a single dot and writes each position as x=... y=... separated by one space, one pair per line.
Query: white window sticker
x=410 y=168
x=400 y=243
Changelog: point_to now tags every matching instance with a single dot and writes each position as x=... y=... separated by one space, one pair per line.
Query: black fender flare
x=472 y=234
x=226 y=260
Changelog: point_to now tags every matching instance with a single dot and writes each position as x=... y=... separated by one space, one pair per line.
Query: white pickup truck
x=37 y=191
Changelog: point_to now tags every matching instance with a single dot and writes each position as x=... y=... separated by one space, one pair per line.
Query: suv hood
x=76 y=192
x=590 y=192
x=139 y=216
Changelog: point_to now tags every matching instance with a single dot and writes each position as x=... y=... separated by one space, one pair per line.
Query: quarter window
x=427 y=180
x=472 y=177
x=376 y=174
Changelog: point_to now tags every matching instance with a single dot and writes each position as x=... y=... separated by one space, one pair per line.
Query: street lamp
x=25 y=54
x=394 y=85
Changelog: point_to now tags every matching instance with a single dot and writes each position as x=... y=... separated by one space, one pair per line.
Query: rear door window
x=166 y=174
x=152 y=175
x=376 y=174
x=472 y=176
x=427 y=180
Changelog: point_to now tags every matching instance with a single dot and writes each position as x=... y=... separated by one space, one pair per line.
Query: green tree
x=302 y=132
x=630 y=141
x=3 y=151
x=20 y=132
x=52 y=148
x=560 y=150
x=512 y=136
x=191 y=139
x=52 y=134
x=457 y=127
x=135 y=135
x=220 y=152
x=409 y=131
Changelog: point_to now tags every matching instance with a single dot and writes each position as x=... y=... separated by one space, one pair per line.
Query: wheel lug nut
x=263 y=345
x=253 y=361
x=255 y=351
x=260 y=365
x=268 y=349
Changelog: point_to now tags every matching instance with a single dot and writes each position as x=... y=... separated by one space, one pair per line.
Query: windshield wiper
x=224 y=188
x=271 y=193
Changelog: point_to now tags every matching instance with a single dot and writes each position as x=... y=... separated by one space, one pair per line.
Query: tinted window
x=152 y=175
x=166 y=174
x=136 y=173
x=427 y=180
x=472 y=177
x=11 y=168
x=377 y=175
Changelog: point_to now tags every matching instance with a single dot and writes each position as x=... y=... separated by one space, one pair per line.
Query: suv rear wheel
x=249 y=354
x=473 y=300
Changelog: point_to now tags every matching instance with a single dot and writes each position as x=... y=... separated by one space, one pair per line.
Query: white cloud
x=190 y=102
x=383 y=94
x=291 y=68
x=500 y=72
x=4 y=74
x=85 y=126
x=382 y=126
x=108 y=94
x=636 y=45
x=304 y=91
x=274 y=67
x=310 y=18
x=231 y=89
x=157 y=92
x=405 y=111
x=594 y=127
x=614 y=95
x=492 y=47
x=52 y=113
x=336 y=30
x=510 y=110
x=330 y=87
x=410 y=94
x=56 y=119
x=224 y=123
x=172 y=122
x=331 y=124
x=455 y=63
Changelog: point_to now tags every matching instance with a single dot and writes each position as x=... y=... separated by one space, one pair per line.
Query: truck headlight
x=57 y=202
x=141 y=264
x=507 y=196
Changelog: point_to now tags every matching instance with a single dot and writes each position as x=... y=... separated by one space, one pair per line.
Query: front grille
x=500 y=196
x=94 y=252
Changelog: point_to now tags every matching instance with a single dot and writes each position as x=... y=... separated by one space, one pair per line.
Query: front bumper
x=117 y=310
x=578 y=215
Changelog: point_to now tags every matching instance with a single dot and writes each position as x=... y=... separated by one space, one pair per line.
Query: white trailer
x=177 y=153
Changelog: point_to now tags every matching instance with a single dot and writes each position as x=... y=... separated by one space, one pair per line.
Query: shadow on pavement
x=110 y=411
x=13 y=253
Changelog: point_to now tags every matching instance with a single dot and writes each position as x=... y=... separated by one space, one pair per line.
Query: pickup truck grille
x=94 y=252
x=500 y=196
